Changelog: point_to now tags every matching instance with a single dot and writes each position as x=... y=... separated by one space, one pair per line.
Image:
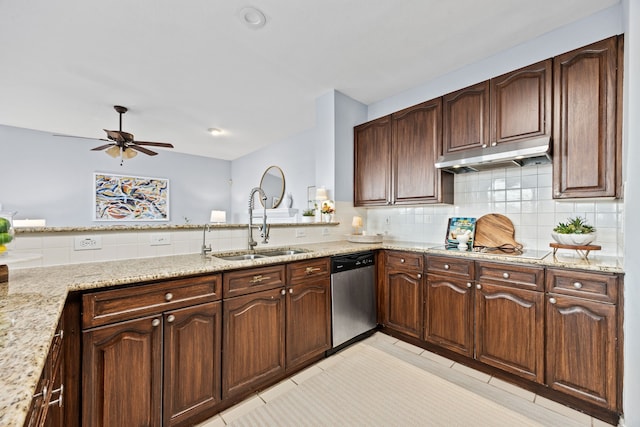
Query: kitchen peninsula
x=33 y=300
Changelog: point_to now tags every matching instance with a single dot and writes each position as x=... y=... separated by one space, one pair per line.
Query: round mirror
x=272 y=183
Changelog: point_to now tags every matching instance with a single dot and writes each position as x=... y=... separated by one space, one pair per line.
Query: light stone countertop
x=32 y=301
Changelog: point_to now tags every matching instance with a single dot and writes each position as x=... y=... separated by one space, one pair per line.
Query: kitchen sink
x=258 y=255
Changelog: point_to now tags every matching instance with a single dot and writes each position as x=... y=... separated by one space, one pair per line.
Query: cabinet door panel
x=372 y=151
x=449 y=313
x=510 y=330
x=192 y=349
x=585 y=128
x=466 y=118
x=253 y=344
x=308 y=321
x=581 y=349
x=403 y=302
x=521 y=103
x=417 y=143
x=122 y=381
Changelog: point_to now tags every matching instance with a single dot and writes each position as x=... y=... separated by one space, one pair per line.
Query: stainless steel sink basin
x=265 y=254
x=241 y=257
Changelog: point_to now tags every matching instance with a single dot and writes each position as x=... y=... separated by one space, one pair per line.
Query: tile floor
x=478 y=382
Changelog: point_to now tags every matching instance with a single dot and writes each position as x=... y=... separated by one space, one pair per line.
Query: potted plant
x=308 y=215
x=574 y=232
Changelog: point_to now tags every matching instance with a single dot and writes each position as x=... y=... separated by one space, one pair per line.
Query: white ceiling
x=182 y=67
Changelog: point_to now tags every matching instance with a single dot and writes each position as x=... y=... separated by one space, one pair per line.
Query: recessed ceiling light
x=215 y=131
x=252 y=17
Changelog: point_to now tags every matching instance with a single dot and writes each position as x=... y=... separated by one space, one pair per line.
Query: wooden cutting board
x=495 y=230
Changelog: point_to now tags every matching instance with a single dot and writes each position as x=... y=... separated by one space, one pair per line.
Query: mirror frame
x=271 y=196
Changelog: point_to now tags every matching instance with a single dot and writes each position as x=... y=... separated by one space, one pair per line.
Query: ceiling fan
x=123 y=143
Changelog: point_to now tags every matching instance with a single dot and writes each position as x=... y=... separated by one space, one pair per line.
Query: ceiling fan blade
x=102 y=147
x=154 y=144
x=142 y=150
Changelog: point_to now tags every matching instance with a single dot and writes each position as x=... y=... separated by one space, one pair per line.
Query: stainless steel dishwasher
x=353 y=297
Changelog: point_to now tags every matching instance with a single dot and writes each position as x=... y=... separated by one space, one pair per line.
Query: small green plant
x=575 y=225
x=309 y=212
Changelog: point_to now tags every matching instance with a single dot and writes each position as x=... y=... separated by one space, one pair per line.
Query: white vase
x=288 y=200
x=327 y=217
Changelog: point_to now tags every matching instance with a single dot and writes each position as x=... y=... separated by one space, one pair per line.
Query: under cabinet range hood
x=534 y=151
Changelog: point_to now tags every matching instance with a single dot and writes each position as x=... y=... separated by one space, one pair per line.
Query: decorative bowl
x=574 y=239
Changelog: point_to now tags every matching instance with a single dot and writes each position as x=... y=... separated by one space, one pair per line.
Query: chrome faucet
x=264 y=228
x=205 y=249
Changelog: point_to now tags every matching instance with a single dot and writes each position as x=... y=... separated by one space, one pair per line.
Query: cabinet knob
x=469 y=284
x=446 y=266
x=155 y=322
x=484 y=145
x=478 y=286
x=493 y=144
x=577 y=285
x=552 y=300
x=283 y=292
x=171 y=318
x=290 y=290
x=168 y=296
x=402 y=260
x=419 y=276
x=505 y=275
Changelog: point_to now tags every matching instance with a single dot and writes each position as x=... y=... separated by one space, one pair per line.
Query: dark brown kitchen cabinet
x=521 y=104
x=403 y=293
x=151 y=353
x=254 y=336
x=587 y=121
x=372 y=163
x=582 y=336
x=466 y=118
x=448 y=317
x=395 y=156
x=308 y=328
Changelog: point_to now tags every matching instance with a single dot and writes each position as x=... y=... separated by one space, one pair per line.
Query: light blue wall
x=348 y=113
x=42 y=176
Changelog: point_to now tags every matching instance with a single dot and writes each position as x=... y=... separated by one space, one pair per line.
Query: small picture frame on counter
x=460 y=226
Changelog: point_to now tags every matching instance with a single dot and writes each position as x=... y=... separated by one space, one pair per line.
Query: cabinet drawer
x=253 y=280
x=303 y=270
x=449 y=265
x=595 y=286
x=406 y=260
x=519 y=276
x=103 y=307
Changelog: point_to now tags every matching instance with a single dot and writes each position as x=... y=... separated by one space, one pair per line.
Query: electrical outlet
x=325 y=231
x=160 y=239
x=300 y=233
x=87 y=243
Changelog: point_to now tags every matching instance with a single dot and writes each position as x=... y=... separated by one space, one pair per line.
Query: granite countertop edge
x=32 y=301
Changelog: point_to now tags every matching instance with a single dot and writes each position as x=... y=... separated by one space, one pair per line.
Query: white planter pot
x=574 y=239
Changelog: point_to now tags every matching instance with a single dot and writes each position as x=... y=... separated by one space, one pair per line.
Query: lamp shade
x=321 y=194
x=218 y=216
x=356 y=222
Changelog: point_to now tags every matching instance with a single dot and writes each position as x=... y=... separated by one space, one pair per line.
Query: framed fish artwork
x=130 y=198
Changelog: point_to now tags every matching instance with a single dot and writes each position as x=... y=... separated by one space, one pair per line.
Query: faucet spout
x=264 y=228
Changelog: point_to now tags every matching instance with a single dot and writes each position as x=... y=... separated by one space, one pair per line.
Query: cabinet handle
x=155 y=322
x=259 y=278
x=58 y=401
x=446 y=266
x=42 y=393
x=283 y=292
x=59 y=334
x=402 y=260
x=171 y=318
x=552 y=300
x=311 y=270
x=469 y=284
x=577 y=285
x=478 y=286
x=168 y=296
x=505 y=275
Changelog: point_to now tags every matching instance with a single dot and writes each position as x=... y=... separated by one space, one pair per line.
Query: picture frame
x=459 y=225
x=130 y=198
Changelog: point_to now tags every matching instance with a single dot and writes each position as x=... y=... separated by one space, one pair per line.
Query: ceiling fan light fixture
x=215 y=131
x=113 y=151
x=129 y=153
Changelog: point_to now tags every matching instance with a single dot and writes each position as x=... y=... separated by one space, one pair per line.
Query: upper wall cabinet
x=587 y=121
x=514 y=106
x=395 y=156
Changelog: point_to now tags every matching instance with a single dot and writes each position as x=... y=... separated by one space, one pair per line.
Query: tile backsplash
x=522 y=194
